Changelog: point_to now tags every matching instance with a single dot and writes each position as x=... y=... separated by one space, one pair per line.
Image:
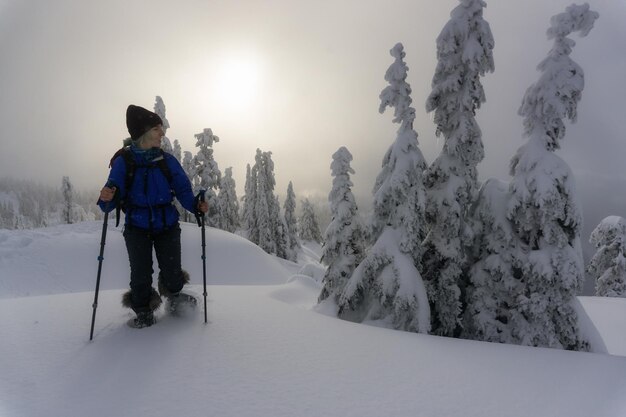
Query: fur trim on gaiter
x=163 y=289
x=155 y=300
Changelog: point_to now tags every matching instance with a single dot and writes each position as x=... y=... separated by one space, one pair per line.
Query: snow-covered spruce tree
x=190 y=169
x=177 y=150
x=608 y=265
x=280 y=231
x=387 y=285
x=543 y=208
x=68 y=200
x=309 y=228
x=262 y=205
x=227 y=203
x=344 y=239
x=495 y=276
x=291 y=223
x=247 y=212
x=266 y=225
x=207 y=174
x=188 y=166
x=159 y=108
x=464 y=54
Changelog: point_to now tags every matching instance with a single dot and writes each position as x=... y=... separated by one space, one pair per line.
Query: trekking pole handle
x=198 y=214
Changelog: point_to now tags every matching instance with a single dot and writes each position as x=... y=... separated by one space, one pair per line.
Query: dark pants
x=139 y=244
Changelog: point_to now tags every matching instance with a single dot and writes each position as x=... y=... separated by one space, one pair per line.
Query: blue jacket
x=149 y=203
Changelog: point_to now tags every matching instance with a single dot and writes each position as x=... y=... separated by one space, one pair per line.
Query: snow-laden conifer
x=159 y=108
x=207 y=174
x=262 y=217
x=291 y=223
x=247 y=211
x=309 y=228
x=188 y=166
x=495 y=277
x=344 y=238
x=227 y=203
x=464 y=54
x=279 y=226
x=190 y=170
x=387 y=285
x=608 y=265
x=264 y=201
x=543 y=207
x=177 y=151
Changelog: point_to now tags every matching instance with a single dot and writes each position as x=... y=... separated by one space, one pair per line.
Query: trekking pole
x=201 y=224
x=100 y=259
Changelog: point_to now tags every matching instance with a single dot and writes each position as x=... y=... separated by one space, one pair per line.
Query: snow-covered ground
x=265 y=351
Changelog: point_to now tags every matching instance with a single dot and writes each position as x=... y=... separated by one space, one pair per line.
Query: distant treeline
x=25 y=204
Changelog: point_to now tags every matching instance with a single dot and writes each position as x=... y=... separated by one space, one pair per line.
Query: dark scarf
x=148 y=155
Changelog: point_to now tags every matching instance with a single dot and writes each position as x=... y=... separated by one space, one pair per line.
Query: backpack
x=131 y=167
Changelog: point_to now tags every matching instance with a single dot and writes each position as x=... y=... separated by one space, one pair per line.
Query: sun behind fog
x=237 y=81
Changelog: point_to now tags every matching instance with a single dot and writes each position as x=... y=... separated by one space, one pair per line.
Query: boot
x=143 y=319
x=181 y=303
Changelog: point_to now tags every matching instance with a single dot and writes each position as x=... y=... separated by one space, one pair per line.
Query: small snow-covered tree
x=207 y=174
x=190 y=170
x=543 y=207
x=308 y=225
x=291 y=223
x=227 y=203
x=387 y=286
x=608 y=265
x=464 y=54
x=159 y=108
x=68 y=200
x=188 y=165
x=344 y=239
x=177 y=151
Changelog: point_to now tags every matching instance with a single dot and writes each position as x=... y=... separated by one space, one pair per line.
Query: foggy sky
x=70 y=68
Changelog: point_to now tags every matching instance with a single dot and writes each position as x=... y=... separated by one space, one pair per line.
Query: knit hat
x=140 y=120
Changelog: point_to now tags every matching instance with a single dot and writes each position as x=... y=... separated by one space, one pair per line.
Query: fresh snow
x=265 y=350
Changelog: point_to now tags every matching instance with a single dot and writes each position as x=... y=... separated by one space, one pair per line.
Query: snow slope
x=264 y=352
x=63 y=259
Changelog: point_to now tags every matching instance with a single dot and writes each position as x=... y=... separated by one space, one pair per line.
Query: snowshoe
x=181 y=304
x=143 y=319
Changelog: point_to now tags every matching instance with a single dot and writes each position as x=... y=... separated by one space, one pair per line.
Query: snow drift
x=264 y=352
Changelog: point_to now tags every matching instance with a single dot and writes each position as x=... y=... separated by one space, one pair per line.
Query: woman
x=144 y=182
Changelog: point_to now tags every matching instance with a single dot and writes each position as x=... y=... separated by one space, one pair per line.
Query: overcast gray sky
x=298 y=78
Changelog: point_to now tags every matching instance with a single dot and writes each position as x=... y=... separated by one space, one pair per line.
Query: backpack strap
x=130 y=164
x=161 y=162
x=131 y=167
